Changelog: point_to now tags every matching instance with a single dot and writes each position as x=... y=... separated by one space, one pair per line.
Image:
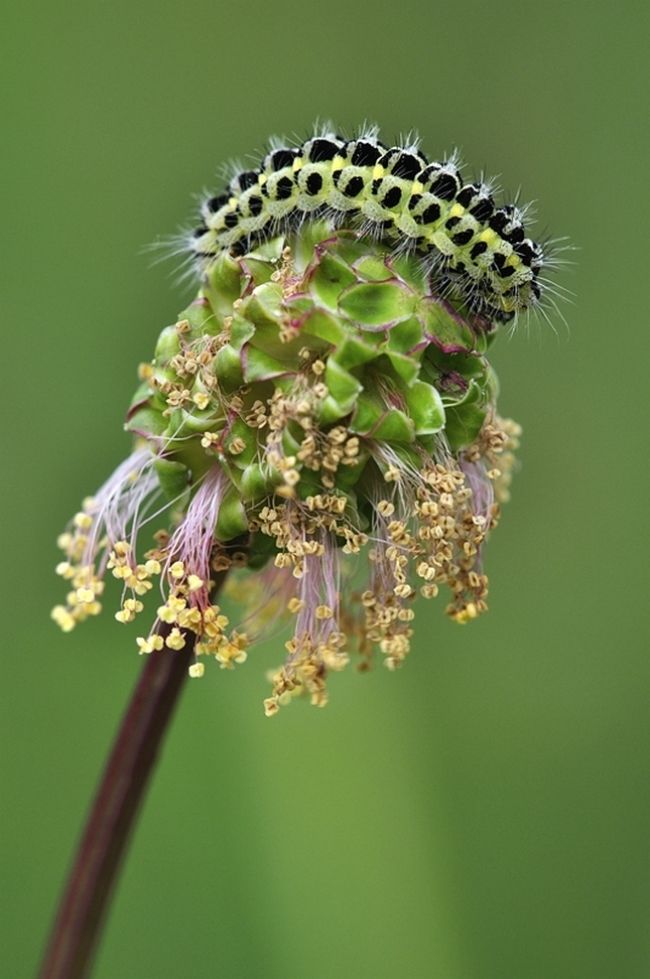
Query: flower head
x=321 y=420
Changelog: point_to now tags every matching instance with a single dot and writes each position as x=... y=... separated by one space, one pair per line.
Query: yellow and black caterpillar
x=473 y=249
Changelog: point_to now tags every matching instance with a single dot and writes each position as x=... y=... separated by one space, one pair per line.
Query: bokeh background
x=484 y=813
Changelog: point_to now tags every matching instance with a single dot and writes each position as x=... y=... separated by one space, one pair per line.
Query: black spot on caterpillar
x=473 y=250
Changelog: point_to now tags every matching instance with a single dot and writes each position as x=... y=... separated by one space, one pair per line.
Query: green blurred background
x=483 y=814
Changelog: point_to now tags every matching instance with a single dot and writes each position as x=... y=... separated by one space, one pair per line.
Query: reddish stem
x=104 y=842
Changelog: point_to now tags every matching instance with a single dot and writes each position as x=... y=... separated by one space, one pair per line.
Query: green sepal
x=373 y=418
x=311 y=235
x=324 y=326
x=447 y=330
x=291 y=444
x=406 y=368
x=331 y=410
x=350 y=248
x=412 y=271
x=348 y=476
x=264 y=306
x=372 y=268
x=428 y=442
x=467 y=364
x=161 y=375
x=395 y=426
x=368 y=411
x=341 y=384
x=195 y=422
x=168 y=345
x=174 y=420
x=354 y=351
x=464 y=419
x=374 y=304
x=408 y=455
x=223 y=283
x=201 y=318
x=227 y=367
x=331 y=276
x=231 y=521
x=240 y=331
x=405 y=336
x=482 y=341
x=189 y=452
x=173 y=476
x=270 y=250
x=141 y=394
x=259 y=270
x=425 y=408
x=492 y=385
x=260 y=366
x=239 y=429
x=284 y=383
x=255 y=483
x=146 y=418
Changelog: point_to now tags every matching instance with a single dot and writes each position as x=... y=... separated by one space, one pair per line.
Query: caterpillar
x=474 y=250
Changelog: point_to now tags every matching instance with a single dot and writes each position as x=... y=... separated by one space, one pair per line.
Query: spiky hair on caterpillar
x=475 y=252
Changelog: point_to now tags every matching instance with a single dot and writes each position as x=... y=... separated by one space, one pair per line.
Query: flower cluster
x=317 y=406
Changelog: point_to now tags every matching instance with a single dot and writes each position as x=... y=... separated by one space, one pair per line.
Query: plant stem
x=84 y=903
